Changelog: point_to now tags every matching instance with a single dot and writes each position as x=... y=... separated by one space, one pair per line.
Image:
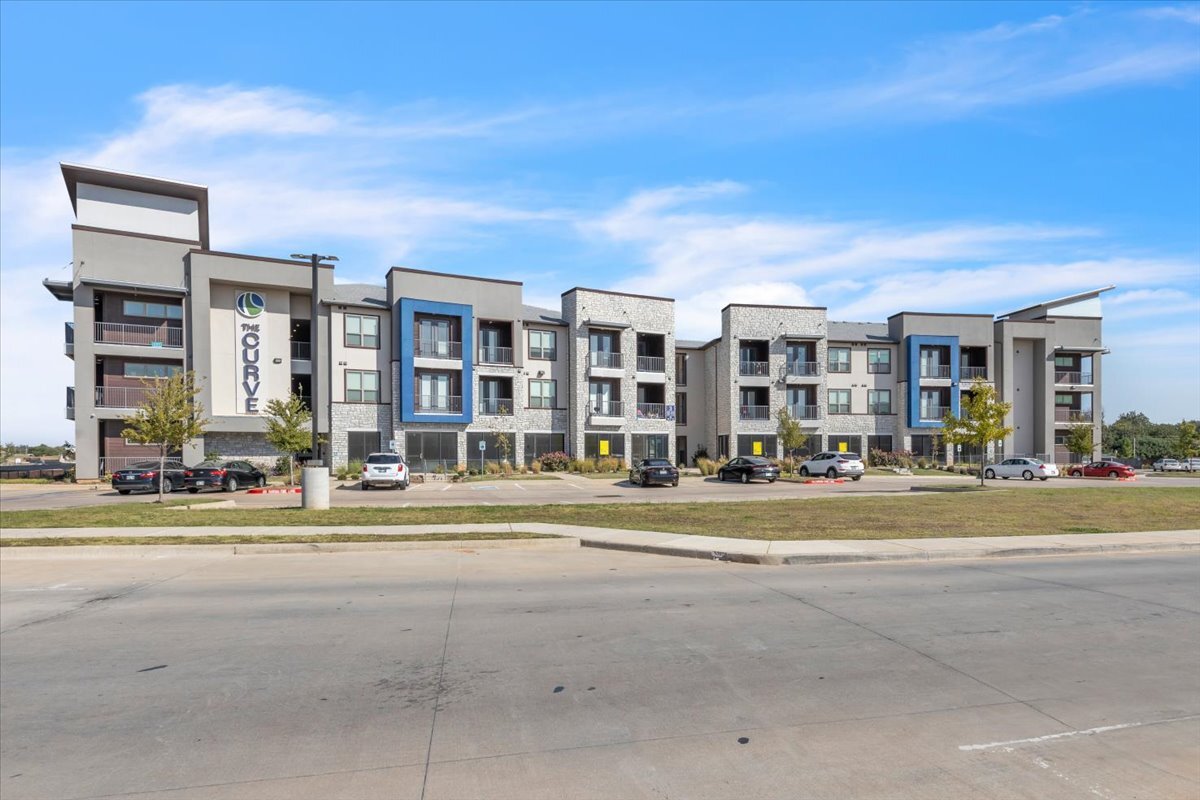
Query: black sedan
x=650 y=471
x=144 y=475
x=747 y=468
x=226 y=475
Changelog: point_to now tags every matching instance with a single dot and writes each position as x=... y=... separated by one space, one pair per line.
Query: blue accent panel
x=409 y=308
x=912 y=354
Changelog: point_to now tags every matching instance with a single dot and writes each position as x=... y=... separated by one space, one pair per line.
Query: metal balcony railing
x=496 y=406
x=804 y=412
x=935 y=370
x=495 y=355
x=439 y=404
x=608 y=408
x=753 y=368
x=121 y=396
x=800 y=369
x=1073 y=378
x=139 y=335
x=651 y=411
x=69 y=339
x=301 y=351
x=930 y=413
x=605 y=360
x=971 y=373
x=437 y=349
x=651 y=364
x=755 y=412
x=1062 y=414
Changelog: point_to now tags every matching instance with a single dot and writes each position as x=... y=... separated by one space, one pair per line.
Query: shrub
x=439 y=470
x=349 y=472
x=701 y=452
x=491 y=468
x=536 y=467
x=508 y=469
x=922 y=464
x=557 y=461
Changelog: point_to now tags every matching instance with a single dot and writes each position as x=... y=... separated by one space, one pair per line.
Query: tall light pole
x=315 y=259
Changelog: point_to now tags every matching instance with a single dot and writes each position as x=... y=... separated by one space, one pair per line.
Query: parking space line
x=447 y=487
x=519 y=486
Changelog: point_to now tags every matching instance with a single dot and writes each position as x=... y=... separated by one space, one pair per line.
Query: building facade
x=453 y=369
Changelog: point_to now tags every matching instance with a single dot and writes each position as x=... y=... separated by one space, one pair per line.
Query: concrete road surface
x=595 y=674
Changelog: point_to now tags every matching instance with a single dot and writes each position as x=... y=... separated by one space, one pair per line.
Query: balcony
x=1063 y=414
x=437 y=349
x=496 y=406
x=138 y=335
x=1073 y=378
x=651 y=411
x=607 y=408
x=438 y=404
x=971 y=373
x=804 y=412
x=935 y=370
x=754 y=368
x=301 y=351
x=70 y=402
x=121 y=396
x=755 y=412
x=496 y=355
x=803 y=369
x=651 y=364
x=934 y=413
x=605 y=360
x=69 y=339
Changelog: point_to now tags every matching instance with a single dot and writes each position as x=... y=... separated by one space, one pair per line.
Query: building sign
x=604 y=447
x=758 y=448
x=843 y=447
x=250 y=330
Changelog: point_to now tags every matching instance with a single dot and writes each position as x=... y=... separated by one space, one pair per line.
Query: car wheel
x=261 y=482
x=1075 y=473
x=1044 y=478
x=192 y=490
x=856 y=477
x=745 y=477
x=404 y=486
x=675 y=484
x=122 y=491
x=804 y=472
x=232 y=485
x=990 y=474
x=168 y=485
x=770 y=480
x=1027 y=475
x=1005 y=477
x=364 y=486
x=720 y=476
x=1112 y=474
x=831 y=473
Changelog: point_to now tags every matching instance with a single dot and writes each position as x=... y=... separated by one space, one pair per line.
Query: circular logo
x=251 y=304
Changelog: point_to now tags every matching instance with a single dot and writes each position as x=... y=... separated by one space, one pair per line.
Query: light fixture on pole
x=315 y=259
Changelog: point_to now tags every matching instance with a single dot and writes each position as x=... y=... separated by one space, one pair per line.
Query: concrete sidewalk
x=751 y=551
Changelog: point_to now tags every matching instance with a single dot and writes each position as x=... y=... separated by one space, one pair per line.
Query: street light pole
x=314 y=383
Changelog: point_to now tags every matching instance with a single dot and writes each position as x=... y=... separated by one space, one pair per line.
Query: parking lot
x=560 y=489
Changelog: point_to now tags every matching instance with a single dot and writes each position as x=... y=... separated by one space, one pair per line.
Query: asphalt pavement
x=597 y=674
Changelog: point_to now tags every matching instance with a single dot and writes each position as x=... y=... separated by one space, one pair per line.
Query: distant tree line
x=8 y=450
x=1133 y=435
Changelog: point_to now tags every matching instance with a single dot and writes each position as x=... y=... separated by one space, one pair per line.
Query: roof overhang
x=136 y=288
x=1071 y=298
x=809 y=336
x=1070 y=349
x=62 y=290
x=75 y=174
x=598 y=323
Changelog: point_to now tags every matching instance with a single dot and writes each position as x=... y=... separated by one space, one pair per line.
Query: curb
x=282 y=548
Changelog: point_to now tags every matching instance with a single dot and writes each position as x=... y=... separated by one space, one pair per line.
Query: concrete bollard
x=314 y=487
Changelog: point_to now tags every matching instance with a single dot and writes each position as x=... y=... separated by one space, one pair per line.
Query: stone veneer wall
x=357 y=417
x=251 y=447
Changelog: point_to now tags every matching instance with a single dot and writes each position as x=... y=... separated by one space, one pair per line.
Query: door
x=600 y=395
x=436 y=333
x=681 y=451
x=435 y=392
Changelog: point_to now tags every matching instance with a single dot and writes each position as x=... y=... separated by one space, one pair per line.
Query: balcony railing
x=1073 y=378
x=437 y=349
x=801 y=369
x=935 y=370
x=804 y=412
x=301 y=351
x=753 y=368
x=604 y=360
x=69 y=339
x=1062 y=414
x=971 y=373
x=138 y=335
x=439 y=404
x=70 y=402
x=495 y=355
x=496 y=406
x=651 y=364
x=121 y=396
x=651 y=411
x=608 y=408
x=755 y=412
x=929 y=413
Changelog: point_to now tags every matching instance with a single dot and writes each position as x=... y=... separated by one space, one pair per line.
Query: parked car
x=834 y=465
x=1167 y=465
x=228 y=476
x=1191 y=464
x=746 y=468
x=1102 y=469
x=1027 y=468
x=144 y=475
x=384 y=469
x=650 y=471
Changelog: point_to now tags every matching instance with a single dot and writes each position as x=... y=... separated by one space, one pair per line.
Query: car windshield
x=383 y=458
x=146 y=465
x=757 y=461
x=209 y=465
x=1034 y=461
x=656 y=462
x=850 y=456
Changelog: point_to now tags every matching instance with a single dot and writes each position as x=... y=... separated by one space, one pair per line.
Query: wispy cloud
x=1189 y=13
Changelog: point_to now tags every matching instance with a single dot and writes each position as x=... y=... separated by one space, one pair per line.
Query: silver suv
x=384 y=469
x=834 y=465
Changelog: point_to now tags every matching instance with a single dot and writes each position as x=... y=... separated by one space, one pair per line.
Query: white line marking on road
x=58 y=587
x=447 y=487
x=1067 y=734
x=519 y=486
x=405 y=505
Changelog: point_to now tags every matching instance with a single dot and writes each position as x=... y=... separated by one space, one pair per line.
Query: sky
x=870 y=158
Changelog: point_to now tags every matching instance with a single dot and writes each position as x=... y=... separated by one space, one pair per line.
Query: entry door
x=681 y=451
x=435 y=392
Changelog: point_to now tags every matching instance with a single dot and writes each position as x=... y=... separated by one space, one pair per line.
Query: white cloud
x=1185 y=13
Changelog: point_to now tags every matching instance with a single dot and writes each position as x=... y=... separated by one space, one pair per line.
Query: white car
x=384 y=469
x=834 y=465
x=1167 y=465
x=1027 y=468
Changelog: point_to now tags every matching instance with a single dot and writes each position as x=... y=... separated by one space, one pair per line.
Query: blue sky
x=870 y=158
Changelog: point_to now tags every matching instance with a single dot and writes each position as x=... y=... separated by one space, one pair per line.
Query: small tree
x=168 y=418
x=791 y=435
x=1189 y=440
x=981 y=422
x=1080 y=439
x=289 y=428
x=67 y=452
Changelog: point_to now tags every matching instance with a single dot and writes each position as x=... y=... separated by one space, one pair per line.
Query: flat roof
x=249 y=257
x=938 y=314
x=74 y=174
x=545 y=316
x=618 y=294
x=359 y=294
x=859 y=332
x=761 y=305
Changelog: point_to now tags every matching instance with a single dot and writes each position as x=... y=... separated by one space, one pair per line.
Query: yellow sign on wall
x=604 y=447
x=843 y=447
x=758 y=448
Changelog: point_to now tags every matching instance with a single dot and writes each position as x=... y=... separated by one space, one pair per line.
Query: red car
x=1102 y=469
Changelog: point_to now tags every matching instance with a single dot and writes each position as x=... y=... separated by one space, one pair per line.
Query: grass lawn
x=991 y=512
x=20 y=481
x=280 y=538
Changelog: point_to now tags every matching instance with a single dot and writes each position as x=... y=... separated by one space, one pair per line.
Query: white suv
x=834 y=465
x=384 y=469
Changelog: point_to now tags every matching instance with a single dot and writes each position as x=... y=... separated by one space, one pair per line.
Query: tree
x=1081 y=439
x=289 y=428
x=168 y=418
x=1189 y=440
x=981 y=422
x=504 y=445
x=791 y=435
x=67 y=452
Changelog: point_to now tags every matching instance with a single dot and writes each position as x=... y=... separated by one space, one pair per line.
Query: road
x=597 y=674
x=568 y=489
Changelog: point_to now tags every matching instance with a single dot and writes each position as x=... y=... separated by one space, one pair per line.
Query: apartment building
x=451 y=369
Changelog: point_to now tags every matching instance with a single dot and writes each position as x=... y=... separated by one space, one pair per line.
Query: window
x=543 y=344
x=681 y=362
x=361 y=444
x=844 y=444
x=604 y=445
x=681 y=408
x=839 y=359
x=362 y=386
x=362 y=331
x=757 y=444
x=491 y=448
x=883 y=443
x=1063 y=399
x=1064 y=361
x=426 y=451
x=723 y=446
x=650 y=445
x=134 y=369
x=142 y=308
x=543 y=393
x=879 y=361
x=879 y=401
x=839 y=400
x=538 y=444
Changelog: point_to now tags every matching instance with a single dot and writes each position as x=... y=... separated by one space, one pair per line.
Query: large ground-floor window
x=882 y=443
x=845 y=444
x=604 y=445
x=650 y=445
x=426 y=450
x=928 y=446
x=538 y=444
x=681 y=451
x=723 y=446
x=491 y=448
x=361 y=444
x=758 y=444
